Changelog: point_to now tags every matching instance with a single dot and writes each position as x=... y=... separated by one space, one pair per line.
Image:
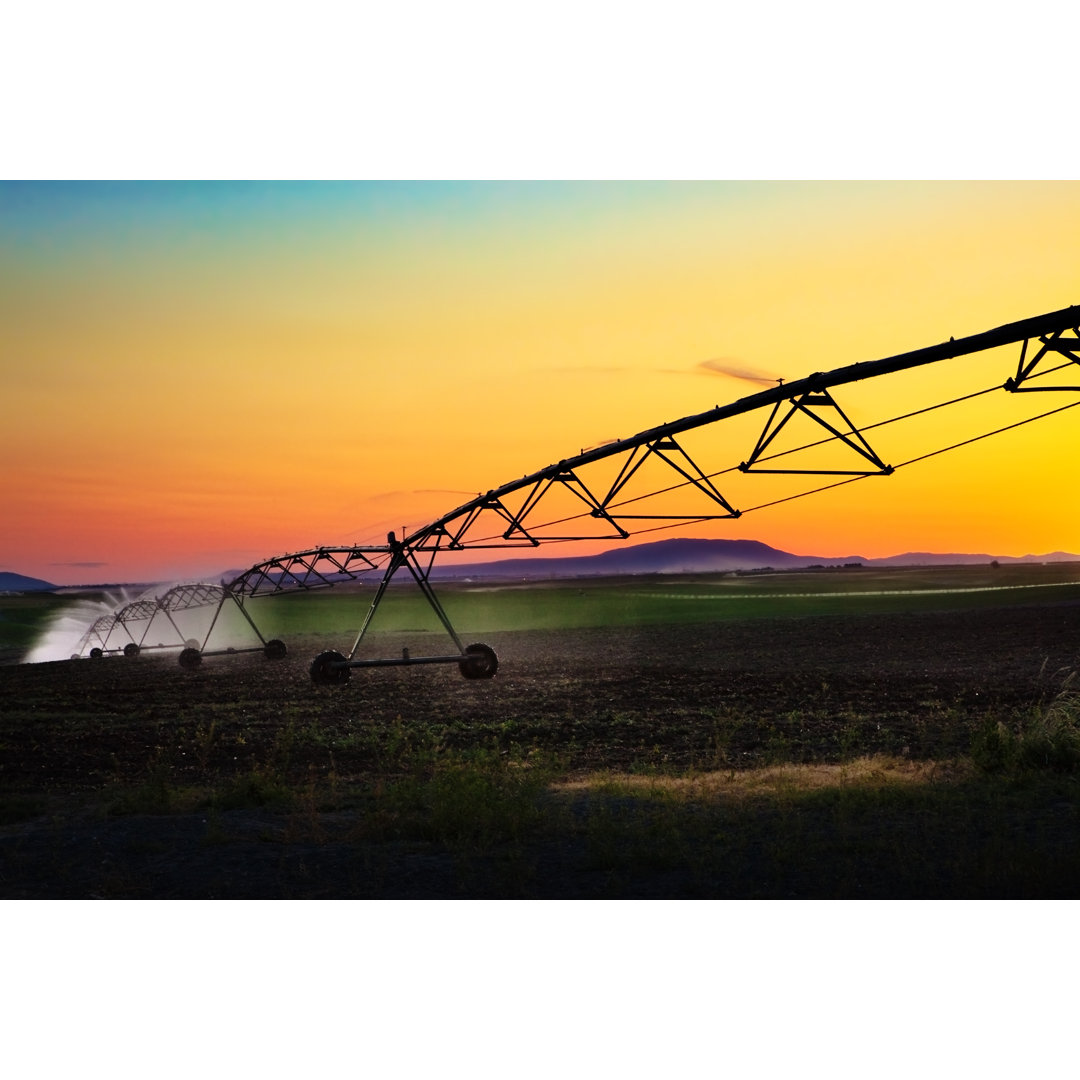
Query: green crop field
x=654 y=601
x=23 y=616
x=659 y=600
x=594 y=603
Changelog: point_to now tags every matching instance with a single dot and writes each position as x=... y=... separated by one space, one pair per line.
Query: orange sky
x=198 y=376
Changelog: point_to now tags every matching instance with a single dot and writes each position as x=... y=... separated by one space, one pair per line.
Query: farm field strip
x=853 y=593
x=482 y=609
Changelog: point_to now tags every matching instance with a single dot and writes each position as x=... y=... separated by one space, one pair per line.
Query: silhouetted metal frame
x=314 y=568
x=100 y=630
x=1025 y=369
x=805 y=404
x=804 y=395
x=325 y=566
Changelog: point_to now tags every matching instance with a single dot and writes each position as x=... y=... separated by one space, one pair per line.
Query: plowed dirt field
x=135 y=777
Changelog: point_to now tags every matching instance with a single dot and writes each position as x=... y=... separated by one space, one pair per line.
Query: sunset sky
x=197 y=376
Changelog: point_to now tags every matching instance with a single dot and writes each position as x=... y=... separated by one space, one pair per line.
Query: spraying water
x=163 y=617
x=65 y=630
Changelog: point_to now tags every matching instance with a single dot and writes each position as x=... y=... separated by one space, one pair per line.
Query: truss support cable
x=996 y=431
x=822 y=442
x=914 y=460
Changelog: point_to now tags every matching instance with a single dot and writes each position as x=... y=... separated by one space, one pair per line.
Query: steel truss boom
x=810 y=396
x=512 y=508
x=803 y=394
x=316 y=568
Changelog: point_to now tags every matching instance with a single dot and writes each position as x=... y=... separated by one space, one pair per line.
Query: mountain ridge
x=691 y=555
x=12 y=582
x=676 y=555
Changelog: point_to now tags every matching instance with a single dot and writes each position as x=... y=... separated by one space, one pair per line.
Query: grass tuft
x=255 y=789
x=1047 y=740
x=16 y=808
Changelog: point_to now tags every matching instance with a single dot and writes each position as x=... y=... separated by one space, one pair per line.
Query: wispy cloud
x=727 y=366
x=384 y=496
x=84 y=565
x=719 y=366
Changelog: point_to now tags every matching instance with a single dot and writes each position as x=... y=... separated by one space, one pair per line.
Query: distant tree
x=995 y=564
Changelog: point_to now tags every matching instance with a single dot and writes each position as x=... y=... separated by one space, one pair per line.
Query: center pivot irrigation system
x=509 y=516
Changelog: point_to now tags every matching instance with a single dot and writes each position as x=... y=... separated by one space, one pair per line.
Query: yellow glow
x=180 y=398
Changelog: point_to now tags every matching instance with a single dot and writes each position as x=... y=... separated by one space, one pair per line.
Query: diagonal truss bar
x=569 y=480
x=806 y=404
x=665 y=449
x=316 y=568
x=195 y=594
x=407 y=558
x=1054 y=343
x=514 y=535
x=100 y=630
x=138 y=611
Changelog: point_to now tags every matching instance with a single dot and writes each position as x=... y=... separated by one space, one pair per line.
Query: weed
x=1048 y=739
x=155 y=795
x=16 y=808
x=995 y=747
x=282 y=748
x=204 y=741
x=467 y=801
x=259 y=788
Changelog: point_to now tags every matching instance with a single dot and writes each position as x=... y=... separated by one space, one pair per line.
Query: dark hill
x=680 y=555
x=695 y=556
x=675 y=556
x=10 y=582
x=930 y=558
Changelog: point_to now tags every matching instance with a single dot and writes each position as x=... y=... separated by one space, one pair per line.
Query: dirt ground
x=76 y=735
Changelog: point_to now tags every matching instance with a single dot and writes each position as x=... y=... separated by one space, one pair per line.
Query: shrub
x=1047 y=740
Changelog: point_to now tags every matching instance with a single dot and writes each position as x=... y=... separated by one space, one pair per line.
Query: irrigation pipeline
x=515 y=521
x=997 y=387
x=810 y=392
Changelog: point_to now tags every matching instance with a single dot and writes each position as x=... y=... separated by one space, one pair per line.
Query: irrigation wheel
x=131 y=649
x=325 y=668
x=481 y=662
x=274 y=649
x=96 y=653
x=190 y=658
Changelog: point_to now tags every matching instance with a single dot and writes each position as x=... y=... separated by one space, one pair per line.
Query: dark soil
x=84 y=745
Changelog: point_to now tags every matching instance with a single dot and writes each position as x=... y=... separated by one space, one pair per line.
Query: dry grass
x=875 y=772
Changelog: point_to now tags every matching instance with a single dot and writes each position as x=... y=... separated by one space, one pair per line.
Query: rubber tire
x=96 y=653
x=275 y=649
x=131 y=649
x=482 y=663
x=190 y=659
x=325 y=673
